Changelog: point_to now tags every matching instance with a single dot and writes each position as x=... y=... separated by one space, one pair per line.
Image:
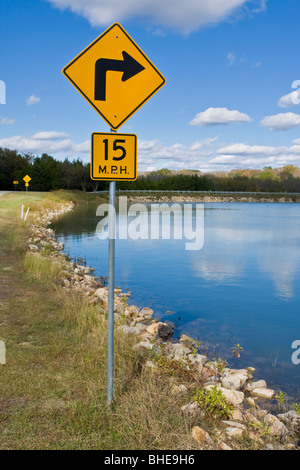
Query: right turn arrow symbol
x=129 y=66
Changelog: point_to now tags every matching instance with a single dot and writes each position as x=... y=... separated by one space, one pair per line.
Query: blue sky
x=230 y=67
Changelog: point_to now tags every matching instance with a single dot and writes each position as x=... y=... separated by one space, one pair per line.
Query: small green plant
x=173 y=368
x=261 y=428
x=221 y=365
x=281 y=398
x=213 y=403
x=48 y=250
x=237 y=349
x=296 y=407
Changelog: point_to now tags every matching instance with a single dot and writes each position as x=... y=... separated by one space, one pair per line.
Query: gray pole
x=111 y=287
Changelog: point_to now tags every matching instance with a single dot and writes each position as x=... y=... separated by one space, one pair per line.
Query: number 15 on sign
x=114 y=157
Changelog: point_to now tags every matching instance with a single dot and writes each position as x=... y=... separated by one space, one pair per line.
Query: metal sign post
x=111 y=288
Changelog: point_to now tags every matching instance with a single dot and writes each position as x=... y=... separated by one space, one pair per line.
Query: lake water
x=242 y=287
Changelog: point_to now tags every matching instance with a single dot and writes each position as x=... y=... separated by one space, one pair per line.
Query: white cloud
x=32 y=100
x=172 y=14
x=53 y=143
x=281 y=122
x=50 y=135
x=214 y=116
x=262 y=6
x=287 y=101
x=243 y=149
x=231 y=58
x=240 y=155
x=207 y=143
x=207 y=155
x=7 y=121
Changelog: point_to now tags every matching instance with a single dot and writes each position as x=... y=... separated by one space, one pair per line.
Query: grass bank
x=53 y=386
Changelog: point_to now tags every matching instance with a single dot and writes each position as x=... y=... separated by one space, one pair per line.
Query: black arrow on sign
x=129 y=66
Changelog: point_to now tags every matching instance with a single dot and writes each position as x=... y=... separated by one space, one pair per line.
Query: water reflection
x=220 y=271
x=282 y=269
x=242 y=286
x=275 y=252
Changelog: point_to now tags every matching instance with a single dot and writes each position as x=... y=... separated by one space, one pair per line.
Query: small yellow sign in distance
x=114 y=76
x=26 y=184
x=16 y=182
x=27 y=179
x=113 y=157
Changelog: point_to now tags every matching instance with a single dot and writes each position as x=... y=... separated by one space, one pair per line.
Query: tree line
x=49 y=174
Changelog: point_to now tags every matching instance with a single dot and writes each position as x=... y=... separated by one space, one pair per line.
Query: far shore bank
x=190 y=197
x=211 y=199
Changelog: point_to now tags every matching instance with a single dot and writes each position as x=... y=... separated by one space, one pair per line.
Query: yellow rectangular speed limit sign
x=114 y=157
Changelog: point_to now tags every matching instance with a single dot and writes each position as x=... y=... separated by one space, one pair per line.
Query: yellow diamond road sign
x=114 y=76
x=114 y=157
x=27 y=179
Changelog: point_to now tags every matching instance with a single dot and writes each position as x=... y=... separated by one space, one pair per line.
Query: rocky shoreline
x=246 y=397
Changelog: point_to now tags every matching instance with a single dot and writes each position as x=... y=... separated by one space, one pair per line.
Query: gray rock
x=139 y=328
x=171 y=324
x=143 y=345
x=232 y=396
x=165 y=331
x=33 y=248
x=263 y=393
x=269 y=447
x=66 y=283
x=151 y=366
x=179 y=389
x=234 y=432
x=127 y=329
x=291 y=419
x=102 y=293
x=234 y=381
x=146 y=311
x=276 y=427
x=190 y=408
x=179 y=351
x=234 y=424
x=198 y=359
x=258 y=384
